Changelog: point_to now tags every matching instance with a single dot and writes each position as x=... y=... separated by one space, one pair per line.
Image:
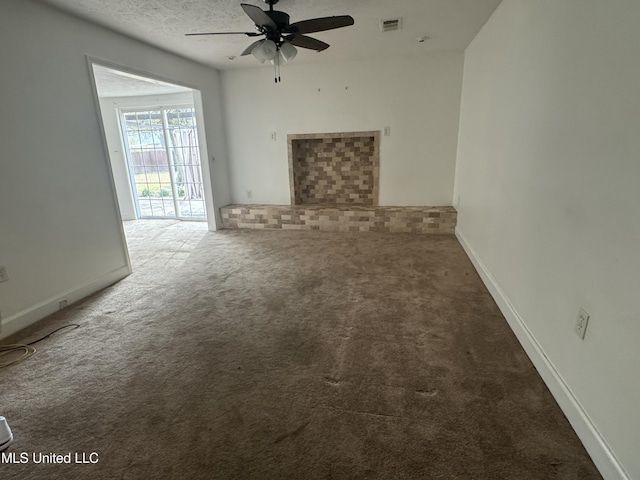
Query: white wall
x=60 y=232
x=547 y=177
x=417 y=96
x=109 y=107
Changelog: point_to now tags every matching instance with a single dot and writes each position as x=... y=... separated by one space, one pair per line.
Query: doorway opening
x=154 y=133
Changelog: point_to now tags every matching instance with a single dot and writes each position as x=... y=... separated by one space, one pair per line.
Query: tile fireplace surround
x=334 y=168
x=333 y=180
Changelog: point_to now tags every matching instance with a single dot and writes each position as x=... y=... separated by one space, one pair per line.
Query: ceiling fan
x=280 y=36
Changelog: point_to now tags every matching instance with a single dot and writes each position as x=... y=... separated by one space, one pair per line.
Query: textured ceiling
x=451 y=24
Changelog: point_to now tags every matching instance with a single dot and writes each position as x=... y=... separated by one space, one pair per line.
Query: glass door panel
x=184 y=150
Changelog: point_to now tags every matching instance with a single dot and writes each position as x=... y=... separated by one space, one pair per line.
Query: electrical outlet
x=273 y=136
x=387 y=131
x=4 y=276
x=581 y=323
x=249 y=193
x=62 y=304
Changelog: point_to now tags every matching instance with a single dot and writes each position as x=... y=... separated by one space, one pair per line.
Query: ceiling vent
x=391 y=24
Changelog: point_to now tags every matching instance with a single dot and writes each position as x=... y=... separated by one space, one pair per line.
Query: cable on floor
x=28 y=348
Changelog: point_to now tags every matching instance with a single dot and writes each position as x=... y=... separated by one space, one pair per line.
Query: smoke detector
x=390 y=24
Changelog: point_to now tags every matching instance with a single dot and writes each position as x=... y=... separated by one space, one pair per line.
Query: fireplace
x=333 y=179
x=334 y=168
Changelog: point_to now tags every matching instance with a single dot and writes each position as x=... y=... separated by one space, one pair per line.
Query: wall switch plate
x=4 y=276
x=581 y=323
x=273 y=136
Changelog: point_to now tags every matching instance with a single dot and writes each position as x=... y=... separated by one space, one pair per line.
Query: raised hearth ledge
x=345 y=218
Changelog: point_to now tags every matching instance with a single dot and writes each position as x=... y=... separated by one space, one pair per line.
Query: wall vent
x=391 y=24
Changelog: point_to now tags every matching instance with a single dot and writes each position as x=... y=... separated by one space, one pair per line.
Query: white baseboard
x=602 y=456
x=26 y=317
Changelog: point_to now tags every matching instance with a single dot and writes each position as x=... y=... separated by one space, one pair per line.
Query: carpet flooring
x=286 y=355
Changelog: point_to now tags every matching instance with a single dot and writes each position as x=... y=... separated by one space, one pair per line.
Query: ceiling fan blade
x=319 y=24
x=259 y=16
x=248 y=34
x=249 y=49
x=306 y=42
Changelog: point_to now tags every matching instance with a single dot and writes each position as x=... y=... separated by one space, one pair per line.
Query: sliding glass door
x=163 y=157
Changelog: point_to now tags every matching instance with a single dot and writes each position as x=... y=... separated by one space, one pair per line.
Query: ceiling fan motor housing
x=281 y=19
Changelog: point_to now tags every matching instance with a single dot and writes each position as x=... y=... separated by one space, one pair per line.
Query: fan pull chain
x=276 y=67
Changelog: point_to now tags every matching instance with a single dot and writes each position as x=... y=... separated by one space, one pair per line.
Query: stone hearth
x=345 y=218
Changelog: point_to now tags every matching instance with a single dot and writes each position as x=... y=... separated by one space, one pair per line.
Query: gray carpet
x=287 y=355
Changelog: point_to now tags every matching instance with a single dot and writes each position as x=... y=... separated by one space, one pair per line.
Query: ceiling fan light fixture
x=267 y=50
x=288 y=51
